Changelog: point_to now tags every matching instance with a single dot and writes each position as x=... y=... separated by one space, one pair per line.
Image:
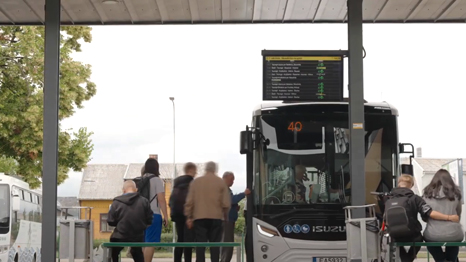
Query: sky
x=215 y=74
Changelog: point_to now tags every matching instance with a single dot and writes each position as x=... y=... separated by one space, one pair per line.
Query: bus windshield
x=4 y=209
x=307 y=160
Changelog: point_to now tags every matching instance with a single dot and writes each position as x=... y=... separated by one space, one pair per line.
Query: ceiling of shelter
x=126 y=12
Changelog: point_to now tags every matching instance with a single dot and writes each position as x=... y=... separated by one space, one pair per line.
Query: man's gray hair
x=227 y=174
x=211 y=167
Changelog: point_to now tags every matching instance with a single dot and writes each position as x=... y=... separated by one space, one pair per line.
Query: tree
x=21 y=101
x=7 y=165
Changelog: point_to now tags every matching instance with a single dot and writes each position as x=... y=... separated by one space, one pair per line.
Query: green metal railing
x=238 y=246
x=430 y=244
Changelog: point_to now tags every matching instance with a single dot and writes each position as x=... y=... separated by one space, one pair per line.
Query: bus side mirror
x=246 y=145
x=406 y=148
x=407 y=169
x=16 y=204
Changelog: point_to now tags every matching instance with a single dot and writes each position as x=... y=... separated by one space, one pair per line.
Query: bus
x=298 y=166
x=20 y=221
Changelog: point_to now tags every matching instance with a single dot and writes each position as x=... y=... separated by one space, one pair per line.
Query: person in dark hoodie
x=401 y=219
x=130 y=214
x=176 y=202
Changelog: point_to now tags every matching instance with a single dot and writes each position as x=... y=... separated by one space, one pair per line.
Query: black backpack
x=143 y=186
x=178 y=199
x=398 y=217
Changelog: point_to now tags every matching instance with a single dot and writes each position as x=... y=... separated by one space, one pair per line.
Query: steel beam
x=250 y=208
x=356 y=105
x=50 y=146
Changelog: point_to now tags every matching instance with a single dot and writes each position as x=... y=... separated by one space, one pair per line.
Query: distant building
x=69 y=202
x=66 y=202
x=103 y=182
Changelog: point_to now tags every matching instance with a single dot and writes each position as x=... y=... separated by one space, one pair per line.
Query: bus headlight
x=266 y=231
x=4 y=249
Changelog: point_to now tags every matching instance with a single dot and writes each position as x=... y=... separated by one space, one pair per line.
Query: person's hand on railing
x=247 y=191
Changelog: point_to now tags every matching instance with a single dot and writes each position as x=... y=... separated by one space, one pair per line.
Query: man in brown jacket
x=207 y=204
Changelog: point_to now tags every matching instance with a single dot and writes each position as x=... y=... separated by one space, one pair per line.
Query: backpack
x=178 y=199
x=143 y=186
x=397 y=216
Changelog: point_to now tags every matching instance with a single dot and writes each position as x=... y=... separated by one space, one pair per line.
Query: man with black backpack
x=177 y=201
x=401 y=216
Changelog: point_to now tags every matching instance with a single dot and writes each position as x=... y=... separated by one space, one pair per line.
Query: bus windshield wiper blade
x=294 y=210
x=289 y=212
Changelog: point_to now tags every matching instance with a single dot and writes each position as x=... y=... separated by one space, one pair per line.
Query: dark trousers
x=228 y=236
x=246 y=237
x=208 y=230
x=410 y=255
x=450 y=254
x=136 y=252
x=184 y=235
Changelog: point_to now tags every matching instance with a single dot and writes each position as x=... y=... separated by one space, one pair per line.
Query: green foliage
x=8 y=165
x=168 y=229
x=240 y=226
x=21 y=96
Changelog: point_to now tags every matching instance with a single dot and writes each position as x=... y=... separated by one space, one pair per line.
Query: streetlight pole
x=174 y=163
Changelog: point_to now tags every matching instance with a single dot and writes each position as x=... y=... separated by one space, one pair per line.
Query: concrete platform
x=232 y=260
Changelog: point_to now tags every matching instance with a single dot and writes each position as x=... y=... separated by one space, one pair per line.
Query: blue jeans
x=450 y=254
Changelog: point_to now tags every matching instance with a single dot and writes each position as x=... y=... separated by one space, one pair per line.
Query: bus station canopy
x=157 y=12
x=160 y=12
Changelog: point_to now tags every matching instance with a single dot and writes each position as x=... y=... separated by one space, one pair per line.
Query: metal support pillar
x=50 y=141
x=250 y=208
x=356 y=106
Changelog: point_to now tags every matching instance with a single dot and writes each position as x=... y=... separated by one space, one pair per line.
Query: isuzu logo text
x=328 y=229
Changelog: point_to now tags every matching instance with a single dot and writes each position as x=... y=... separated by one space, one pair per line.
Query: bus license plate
x=329 y=259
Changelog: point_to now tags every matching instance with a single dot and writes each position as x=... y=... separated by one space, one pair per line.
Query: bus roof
x=278 y=104
x=11 y=180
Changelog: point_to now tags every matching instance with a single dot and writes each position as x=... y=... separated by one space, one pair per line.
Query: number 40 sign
x=295 y=126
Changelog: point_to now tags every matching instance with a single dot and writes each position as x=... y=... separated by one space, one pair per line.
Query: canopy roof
x=126 y=12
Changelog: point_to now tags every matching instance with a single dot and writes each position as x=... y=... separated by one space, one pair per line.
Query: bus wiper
x=289 y=212
x=294 y=210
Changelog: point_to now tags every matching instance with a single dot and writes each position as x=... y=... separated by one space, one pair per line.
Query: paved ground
x=154 y=260
x=234 y=260
x=462 y=259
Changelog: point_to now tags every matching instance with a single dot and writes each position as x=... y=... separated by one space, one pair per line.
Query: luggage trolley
x=362 y=234
x=76 y=236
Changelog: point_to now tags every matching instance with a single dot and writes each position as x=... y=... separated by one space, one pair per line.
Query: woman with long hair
x=445 y=197
x=157 y=204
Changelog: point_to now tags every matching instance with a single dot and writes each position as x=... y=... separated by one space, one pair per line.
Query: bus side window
x=34 y=198
x=27 y=196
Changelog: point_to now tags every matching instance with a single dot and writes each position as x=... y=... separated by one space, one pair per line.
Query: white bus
x=298 y=167
x=20 y=221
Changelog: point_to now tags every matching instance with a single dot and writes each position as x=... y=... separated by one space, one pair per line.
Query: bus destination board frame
x=303 y=53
